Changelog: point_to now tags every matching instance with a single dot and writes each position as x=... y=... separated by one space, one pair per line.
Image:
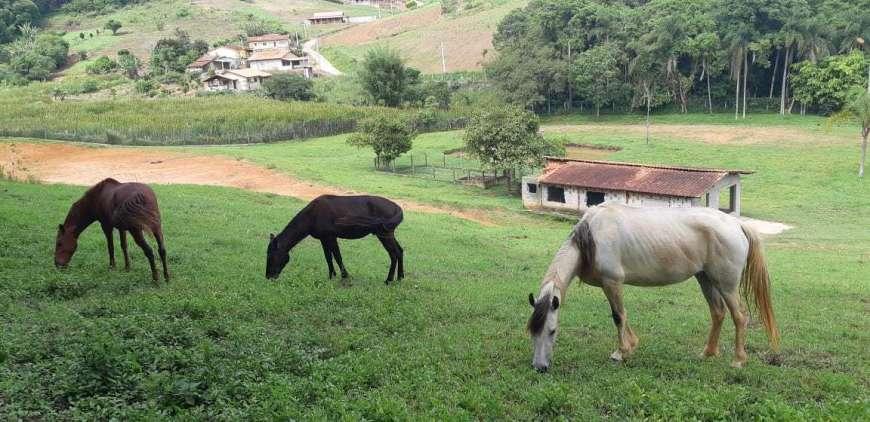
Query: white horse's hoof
x=616 y=356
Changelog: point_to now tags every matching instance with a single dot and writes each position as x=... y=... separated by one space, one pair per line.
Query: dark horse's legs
x=158 y=235
x=123 y=234
x=388 y=240
x=107 y=230
x=336 y=253
x=327 y=253
x=140 y=240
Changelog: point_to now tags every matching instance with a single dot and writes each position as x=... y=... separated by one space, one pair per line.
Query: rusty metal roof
x=609 y=175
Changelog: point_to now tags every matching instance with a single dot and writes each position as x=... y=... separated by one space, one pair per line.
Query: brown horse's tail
x=755 y=284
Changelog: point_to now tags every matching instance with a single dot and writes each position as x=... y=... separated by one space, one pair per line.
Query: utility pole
x=443 y=63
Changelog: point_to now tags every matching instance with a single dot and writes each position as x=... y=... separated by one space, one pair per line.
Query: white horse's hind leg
x=717 y=314
x=626 y=340
x=732 y=300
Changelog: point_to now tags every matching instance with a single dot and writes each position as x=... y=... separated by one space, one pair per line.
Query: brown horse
x=329 y=218
x=128 y=207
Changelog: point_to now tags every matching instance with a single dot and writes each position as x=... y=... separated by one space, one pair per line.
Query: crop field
x=448 y=342
x=31 y=112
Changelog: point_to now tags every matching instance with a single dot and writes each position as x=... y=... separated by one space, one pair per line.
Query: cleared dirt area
x=713 y=134
x=80 y=165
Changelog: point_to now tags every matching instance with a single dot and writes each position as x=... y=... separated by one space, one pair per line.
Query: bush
x=146 y=87
x=101 y=66
x=288 y=87
x=389 y=137
x=411 y=4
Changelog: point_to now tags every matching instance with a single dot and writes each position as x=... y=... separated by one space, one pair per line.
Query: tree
x=384 y=77
x=597 y=75
x=389 y=137
x=288 y=87
x=506 y=139
x=828 y=84
x=113 y=25
x=13 y=15
x=857 y=110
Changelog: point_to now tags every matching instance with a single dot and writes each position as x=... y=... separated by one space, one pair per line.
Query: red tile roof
x=660 y=180
x=202 y=61
x=272 y=54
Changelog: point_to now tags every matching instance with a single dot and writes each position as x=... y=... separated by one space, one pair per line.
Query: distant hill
x=419 y=34
x=416 y=33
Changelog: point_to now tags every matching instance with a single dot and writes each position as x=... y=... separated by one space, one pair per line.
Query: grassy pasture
x=448 y=342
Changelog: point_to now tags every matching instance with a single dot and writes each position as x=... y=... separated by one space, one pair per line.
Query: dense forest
x=710 y=54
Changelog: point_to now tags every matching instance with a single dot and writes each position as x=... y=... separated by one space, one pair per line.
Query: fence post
x=425 y=160
x=444 y=157
x=412 y=163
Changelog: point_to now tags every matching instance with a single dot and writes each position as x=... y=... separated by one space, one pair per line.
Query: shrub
x=146 y=87
x=102 y=66
x=288 y=87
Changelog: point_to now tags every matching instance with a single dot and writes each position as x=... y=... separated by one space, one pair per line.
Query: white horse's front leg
x=626 y=340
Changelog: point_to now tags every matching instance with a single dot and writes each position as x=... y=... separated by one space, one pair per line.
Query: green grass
x=447 y=343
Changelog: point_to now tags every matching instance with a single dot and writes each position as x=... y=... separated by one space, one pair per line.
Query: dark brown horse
x=330 y=217
x=128 y=207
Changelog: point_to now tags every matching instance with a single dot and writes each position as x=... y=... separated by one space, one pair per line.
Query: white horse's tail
x=755 y=284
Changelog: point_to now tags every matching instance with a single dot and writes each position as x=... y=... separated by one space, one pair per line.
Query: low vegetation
x=448 y=342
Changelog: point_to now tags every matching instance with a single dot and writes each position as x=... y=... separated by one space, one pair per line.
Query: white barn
x=573 y=185
x=268 y=41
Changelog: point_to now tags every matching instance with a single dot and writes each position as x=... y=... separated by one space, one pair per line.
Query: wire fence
x=451 y=167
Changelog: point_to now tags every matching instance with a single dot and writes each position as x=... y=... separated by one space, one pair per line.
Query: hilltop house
x=235 y=80
x=268 y=41
x=573 y=185
x=221 y=58
x=279 y=60
x=326 y=18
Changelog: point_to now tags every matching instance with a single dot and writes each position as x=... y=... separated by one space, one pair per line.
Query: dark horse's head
x=64 y=246
x=276 y=259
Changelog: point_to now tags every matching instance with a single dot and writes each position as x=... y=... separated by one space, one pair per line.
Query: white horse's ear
x=532 y=300
x=555 y=302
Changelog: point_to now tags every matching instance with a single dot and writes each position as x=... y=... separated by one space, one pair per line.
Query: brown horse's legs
x=626 y=340
x=717 y=314
x=140 y=240
x=107 y=230
x=336 y=253
x=732 y=300
x=327 y=253
x=123 y=235
x=161 y=250
x=387 y=242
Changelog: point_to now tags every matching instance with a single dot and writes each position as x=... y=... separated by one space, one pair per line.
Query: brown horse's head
x=64 y=246
x=276 y=259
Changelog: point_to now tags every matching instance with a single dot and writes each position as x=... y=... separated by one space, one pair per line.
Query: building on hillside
x=388 y=4
x=221 y=58
x=235 y=80
x=573 y=185
x=268 y=41
x=326 y=18
x=279 y=60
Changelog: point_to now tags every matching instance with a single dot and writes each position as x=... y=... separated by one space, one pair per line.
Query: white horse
x=615 y=244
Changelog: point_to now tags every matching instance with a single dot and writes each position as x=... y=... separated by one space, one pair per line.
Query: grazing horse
x=615 y=244
x=128 y=207
x=330 y=217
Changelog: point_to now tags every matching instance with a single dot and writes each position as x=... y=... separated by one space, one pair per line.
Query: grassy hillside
x=447 y=343
x=418 y=35
x=212 y=20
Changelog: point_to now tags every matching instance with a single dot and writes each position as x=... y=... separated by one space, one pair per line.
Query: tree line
x=627 y=54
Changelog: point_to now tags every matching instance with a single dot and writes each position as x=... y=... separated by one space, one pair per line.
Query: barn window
x=555 y=194
x=594 y=198
x=533 y=188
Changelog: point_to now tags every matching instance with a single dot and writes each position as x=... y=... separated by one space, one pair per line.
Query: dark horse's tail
x=375 y=224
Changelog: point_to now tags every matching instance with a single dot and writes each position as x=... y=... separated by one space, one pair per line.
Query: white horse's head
x=543 y=327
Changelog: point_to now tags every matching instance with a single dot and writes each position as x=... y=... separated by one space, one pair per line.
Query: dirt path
x=80 y=165
x=310 y=47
